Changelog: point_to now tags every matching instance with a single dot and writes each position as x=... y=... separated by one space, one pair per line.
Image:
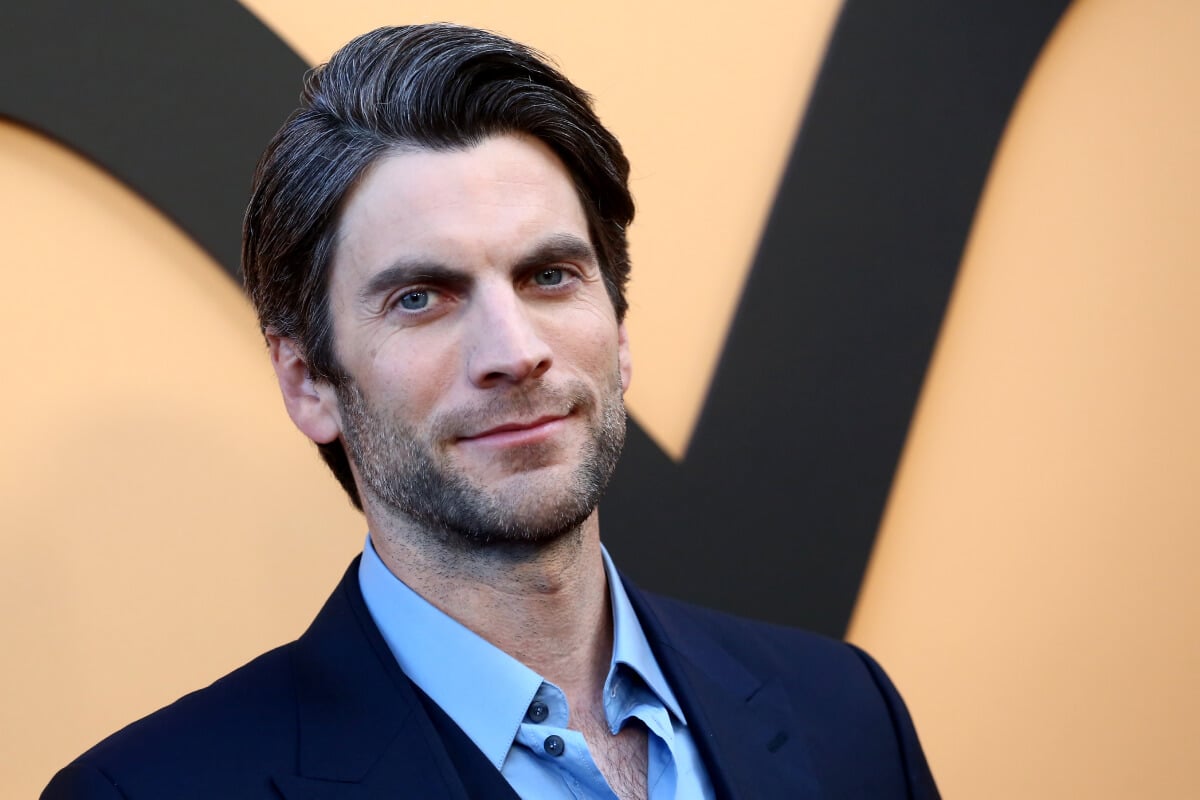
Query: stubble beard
x=409 y=478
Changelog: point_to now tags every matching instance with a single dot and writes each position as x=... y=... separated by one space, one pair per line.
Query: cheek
x=589 y=334
x=592 y=351
x=413 y=377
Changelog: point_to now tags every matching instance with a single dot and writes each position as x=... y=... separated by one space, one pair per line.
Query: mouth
x=518 y=432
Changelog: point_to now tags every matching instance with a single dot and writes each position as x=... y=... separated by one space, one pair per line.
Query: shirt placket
x=545 y=734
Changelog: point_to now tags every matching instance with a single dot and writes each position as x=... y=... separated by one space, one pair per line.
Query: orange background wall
x=1036 y=585
x=1033 y=590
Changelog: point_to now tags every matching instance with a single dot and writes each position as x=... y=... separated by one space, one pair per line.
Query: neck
x=544 y=604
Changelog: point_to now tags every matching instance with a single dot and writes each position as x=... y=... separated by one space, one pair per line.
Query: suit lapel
x=363 y=731
x=742 y=723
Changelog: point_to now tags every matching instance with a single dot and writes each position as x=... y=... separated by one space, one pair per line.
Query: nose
x=507 y=345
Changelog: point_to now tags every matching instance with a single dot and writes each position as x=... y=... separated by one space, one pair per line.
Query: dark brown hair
x=437 y=87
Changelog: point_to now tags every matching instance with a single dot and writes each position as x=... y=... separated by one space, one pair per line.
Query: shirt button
x=554 y=745
x=538 y=711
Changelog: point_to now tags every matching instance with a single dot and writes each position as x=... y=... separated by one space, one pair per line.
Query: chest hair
x=621 y=759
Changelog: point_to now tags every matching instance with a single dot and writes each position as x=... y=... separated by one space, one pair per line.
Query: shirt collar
x=483 y=689
x=630 y=646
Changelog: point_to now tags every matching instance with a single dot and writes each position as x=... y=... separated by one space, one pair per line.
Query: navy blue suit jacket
x=776 y=713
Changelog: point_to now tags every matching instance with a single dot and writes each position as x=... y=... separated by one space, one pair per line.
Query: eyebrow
x=405 y=272
x=559 y=247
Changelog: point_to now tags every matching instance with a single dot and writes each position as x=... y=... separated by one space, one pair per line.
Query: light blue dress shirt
x=518 y=719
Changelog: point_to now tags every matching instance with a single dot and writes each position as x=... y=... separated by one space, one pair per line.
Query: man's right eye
x=414 y=300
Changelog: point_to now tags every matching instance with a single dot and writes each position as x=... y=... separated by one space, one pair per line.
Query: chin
x=527 y=522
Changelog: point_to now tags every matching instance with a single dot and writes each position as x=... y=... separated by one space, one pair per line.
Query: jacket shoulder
x=852 y=718
x=753 y=641
x=245 y=721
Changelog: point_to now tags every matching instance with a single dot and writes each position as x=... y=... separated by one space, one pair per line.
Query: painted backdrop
x=913 y=339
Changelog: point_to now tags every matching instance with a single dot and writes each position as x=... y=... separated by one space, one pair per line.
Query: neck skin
x=546 y=605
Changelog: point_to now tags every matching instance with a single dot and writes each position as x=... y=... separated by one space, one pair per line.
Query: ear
x=312 y=406
x=624 y=359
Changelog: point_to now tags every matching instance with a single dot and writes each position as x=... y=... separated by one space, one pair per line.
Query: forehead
x=473 y=206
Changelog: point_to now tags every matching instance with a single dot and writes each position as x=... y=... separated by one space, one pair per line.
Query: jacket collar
x=742 y=722
x=363 y=731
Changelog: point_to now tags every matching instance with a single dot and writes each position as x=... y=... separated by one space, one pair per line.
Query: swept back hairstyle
x=437 y=87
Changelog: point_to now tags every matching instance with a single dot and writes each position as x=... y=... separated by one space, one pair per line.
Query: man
x=436 y=249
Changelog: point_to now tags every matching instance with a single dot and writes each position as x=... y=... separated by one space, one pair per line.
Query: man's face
x=485 y=360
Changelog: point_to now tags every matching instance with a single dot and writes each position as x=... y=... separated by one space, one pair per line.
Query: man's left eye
x=548 y=277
